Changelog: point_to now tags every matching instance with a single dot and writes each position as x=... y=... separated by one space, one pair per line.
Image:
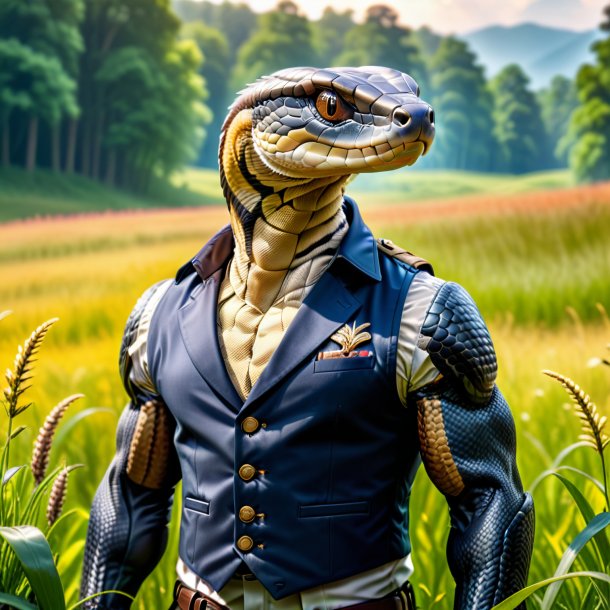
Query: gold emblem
x=349 y=338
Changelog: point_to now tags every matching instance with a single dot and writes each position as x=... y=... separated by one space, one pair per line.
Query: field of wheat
x=537 y=264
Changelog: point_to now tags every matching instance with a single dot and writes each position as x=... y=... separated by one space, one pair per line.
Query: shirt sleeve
x=414 y=368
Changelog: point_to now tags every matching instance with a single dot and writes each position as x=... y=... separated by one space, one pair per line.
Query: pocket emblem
x=349 y=338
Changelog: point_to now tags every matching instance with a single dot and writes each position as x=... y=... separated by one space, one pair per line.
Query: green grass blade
x=16 y=602
x=34 y=553
x=65 y=430
x=86 y=599
x=514 y=600
x=586 y=510
x=596 y=525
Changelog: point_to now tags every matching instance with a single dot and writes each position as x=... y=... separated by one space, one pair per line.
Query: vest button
x=247 y=514
x=250 y=425
x=245 y=543
x=247 y=472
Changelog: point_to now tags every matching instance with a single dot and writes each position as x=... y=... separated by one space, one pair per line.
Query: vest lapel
x=327 y=307
x=198 y=327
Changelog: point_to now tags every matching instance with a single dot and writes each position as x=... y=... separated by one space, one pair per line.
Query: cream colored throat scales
x=286 y=232
x=288 y=146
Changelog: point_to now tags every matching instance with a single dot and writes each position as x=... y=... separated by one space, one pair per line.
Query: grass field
x=44 y=193
x=538 y=264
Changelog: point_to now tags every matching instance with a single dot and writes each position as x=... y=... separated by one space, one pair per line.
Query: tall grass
x=537 y=275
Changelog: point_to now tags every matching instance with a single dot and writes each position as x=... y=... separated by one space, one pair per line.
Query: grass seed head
x=20 y=375
x=58 y=494
x=57 y=497
x=42 y=446
x=593 y=425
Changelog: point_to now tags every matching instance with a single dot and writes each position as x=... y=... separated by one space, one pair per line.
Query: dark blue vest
x=334 y=453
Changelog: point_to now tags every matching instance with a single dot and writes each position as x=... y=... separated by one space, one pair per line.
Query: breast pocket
x=337 y=365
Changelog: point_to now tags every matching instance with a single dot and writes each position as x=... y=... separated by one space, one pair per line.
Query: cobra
x=289 y=145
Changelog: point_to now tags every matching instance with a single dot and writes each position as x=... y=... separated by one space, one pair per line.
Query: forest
x=128 y=91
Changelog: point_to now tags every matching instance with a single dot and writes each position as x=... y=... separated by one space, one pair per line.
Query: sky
x=462 y=16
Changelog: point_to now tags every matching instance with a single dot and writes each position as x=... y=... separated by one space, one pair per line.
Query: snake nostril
x=431 y=116
x=401 y=117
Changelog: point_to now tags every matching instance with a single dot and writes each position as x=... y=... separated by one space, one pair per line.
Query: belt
x=401 y=599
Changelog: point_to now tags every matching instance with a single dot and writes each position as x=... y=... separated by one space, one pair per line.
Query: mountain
x=541 y=51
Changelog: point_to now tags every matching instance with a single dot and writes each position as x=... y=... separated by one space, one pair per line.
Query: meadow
x=536 y=261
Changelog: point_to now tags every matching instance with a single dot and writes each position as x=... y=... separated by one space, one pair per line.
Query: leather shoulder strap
x=391 y=249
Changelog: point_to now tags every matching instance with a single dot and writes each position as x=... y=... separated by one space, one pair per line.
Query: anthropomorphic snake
x=297 y=371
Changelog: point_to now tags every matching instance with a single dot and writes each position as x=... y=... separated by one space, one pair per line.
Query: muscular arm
x=467 y=440
x=127 y=529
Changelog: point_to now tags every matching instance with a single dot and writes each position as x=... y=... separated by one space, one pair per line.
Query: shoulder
x=132 y=358
x=457 y=340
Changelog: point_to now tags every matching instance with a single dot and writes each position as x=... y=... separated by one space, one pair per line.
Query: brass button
x=245 y=543
x=247 y=514
x=247 y=472
x=250 y=425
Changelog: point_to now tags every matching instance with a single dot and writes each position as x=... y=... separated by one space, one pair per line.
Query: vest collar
x=358 y=248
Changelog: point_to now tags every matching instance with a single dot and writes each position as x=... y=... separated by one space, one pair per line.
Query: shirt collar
x=358 y=247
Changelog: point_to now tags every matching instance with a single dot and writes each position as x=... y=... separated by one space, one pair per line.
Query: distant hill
x=542 y=52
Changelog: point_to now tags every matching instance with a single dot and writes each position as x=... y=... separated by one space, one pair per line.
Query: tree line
x=121 y=91
x=104 y=88
x=499 y=124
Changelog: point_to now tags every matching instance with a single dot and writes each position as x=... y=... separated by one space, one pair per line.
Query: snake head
x=309 y=122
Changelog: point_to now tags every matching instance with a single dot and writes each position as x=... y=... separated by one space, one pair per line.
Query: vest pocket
x=343 y=364
x=198 y=506
x=340 y=509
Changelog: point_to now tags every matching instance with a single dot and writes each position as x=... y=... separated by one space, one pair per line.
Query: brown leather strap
x=189 y=599
x=390 y=248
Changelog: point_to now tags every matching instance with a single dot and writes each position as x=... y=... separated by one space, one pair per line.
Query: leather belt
x=402 y=599
x=189 y=599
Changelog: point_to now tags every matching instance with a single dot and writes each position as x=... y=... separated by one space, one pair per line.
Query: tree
x=214 y=69
x=154 y=115
x=557 y=103
x=518 y=123
x=283 y=39
x=329 y=33
x=589 y=133
x=463 y=107
x=50 y=29
x=381 y=41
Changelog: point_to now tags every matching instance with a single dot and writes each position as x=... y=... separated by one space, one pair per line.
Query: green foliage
x=329 y=33
x=463 y=106
x=236 y=22
x=283 y=38
x=589 y=133
x=518 y=124
x=597 y=564
x=557 y=103
x=380 y=41
x=216 y=65
x=28 y=567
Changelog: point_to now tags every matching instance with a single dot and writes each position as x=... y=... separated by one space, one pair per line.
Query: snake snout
x=415 y=122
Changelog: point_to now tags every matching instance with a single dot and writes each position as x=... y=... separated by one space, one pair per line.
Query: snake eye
x=332 y=107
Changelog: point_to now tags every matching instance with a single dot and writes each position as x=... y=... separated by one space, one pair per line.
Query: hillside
x=24 y=195
x=542 y=52
x=44 y=193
